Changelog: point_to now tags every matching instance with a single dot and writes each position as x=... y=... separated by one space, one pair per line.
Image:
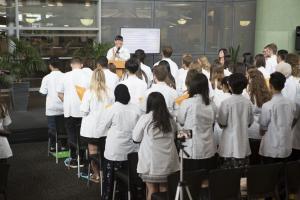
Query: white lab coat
x=276 y=119
x=235 y=113
x=123 y=54
x=118 y=122
x=137 y=88
x=194 y=115
x=92 y=110
x=111 y=81
x=181 y=87
x=157 y=153
x=5 y=150
x=54 y=106
x=254 y=129
x=271 y=64
x=148 y=73
x=265 y=73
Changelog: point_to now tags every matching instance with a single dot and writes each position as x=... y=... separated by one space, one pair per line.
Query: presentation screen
x=147 y=39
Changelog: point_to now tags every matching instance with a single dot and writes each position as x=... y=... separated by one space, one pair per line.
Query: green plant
x=234 y=53
x=22 y=60
x=92 y=51
x=5 y=81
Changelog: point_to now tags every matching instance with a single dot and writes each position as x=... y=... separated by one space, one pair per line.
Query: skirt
x=154 y=178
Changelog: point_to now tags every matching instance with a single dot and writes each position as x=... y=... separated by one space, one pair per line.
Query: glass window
x=244 y=25
x=219 y=26
x=182 y=25
x=58 y=43
x=60 y=13
x=129 y=14
x=7 y=13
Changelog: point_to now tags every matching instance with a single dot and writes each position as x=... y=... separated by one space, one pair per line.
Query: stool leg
x=56 y=151
x=48 y=146
x=78 y=165
x=114 y=190
x=88 y=174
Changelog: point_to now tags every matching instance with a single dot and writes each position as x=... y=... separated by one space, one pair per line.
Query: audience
x=157 y=155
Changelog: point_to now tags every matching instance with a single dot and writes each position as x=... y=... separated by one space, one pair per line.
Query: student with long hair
x=222 y=53
x=5 y=150
x=198 y=114
x=117 y=123
x=158 y=156
x=205 y=65
x=170 y=80
x=259 y=94
x=94 y=101
x=260 y=64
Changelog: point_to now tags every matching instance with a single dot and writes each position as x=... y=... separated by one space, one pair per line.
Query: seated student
x=259 y=94
x=158 y=156
x=94 y=102
x=167 y=52
x=235 y=116
x=5 y=150
x=170 y=79
x=111 y=79
x=54 y=106
x=170 y=94
x=68 y=93
x=119 y=122
x=136 y=86
x=187 y=60
x=205 y=65
x=141 y=56
x=198 y=114
x=276 y=122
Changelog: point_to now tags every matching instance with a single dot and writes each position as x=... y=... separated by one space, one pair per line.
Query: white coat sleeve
x=182 y=112
x=106 y=121
x=265 y=117
x=223 y=115
x=85 y=103
x=138 y=131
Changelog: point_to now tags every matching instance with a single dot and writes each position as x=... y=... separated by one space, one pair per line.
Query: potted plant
x=234 y=53
x=91 y=52
x=22 y=60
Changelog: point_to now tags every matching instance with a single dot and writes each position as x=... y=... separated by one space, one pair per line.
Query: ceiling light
x=87 y=4
x=51 y=4
x=66 y=25
x=87 y=21
x=245 y=23
x=30 y=20
x=59 y=4
x=181 y=21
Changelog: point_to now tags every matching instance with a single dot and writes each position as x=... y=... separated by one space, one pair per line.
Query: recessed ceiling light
x=181 y=21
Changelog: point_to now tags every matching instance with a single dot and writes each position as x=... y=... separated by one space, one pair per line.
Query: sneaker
x=52 y=150
x=72 y=163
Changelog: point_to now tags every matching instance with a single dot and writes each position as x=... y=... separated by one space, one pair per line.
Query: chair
x=59 y=134
x=292 y=172
x=131 y=178
x=262 y=180
x=3 y=179
x=224 y=184
x=193 y=179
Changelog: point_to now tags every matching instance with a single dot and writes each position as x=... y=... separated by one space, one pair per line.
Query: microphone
x=118 y=50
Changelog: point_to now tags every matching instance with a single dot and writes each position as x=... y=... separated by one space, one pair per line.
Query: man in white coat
x=118 y=52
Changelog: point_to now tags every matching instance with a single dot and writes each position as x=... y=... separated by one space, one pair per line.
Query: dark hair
x=293 y=60
x=132 y=65
x=225 y=51
x=260 y=60
x=170 y=79
x=102 y=60
x=199 y=85
x=55 y=62
x=160 y=72
x=187 y=60
x=161 y=116
x=112 y=67
x=140 y=55
x=119 y=37
x=282 y=53
x=122 y=94
x=248 y=59
x=190 y=75
x=167 y=51
x=224 y=82
x=76 y=60
x=277 y=80
x=237 y=82
x=239 y=68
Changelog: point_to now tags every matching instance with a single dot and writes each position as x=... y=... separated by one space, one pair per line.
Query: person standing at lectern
x=118 y=52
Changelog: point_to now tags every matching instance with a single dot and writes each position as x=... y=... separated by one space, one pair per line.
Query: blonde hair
x=204 y=63
x=98 y=85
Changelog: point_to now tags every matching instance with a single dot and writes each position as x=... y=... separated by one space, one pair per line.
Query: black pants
x=109 y=170
x=56 y=126
x=255 y=158
x=196 y=164
x=295 y=154
x=73 y=125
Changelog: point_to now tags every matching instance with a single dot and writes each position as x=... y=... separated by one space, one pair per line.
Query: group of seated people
x=232 y=109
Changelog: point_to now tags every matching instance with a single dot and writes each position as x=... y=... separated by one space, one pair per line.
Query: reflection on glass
x=62 y=13
x=58 y=43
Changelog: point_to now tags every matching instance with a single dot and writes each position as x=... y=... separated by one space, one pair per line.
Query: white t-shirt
x=72 y=101
x=137 y=88
x=5 y=150
x=265 y=73
x=122 y=55
x=271 y=64
x=54 y=106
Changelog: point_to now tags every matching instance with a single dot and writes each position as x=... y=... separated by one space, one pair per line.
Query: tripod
x=182 y=185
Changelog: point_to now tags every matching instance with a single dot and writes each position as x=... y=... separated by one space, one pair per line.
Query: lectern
x=120 y=66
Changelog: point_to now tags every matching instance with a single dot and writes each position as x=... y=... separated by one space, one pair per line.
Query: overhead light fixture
x=211 y=13
x=181 y=21
x=51 y=5
x=30 y=20
x=245 y=23
x=87 y=21
x=59 y=4
x=87 y=4
x=66 y=25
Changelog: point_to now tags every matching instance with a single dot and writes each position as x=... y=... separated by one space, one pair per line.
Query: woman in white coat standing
x=158 y=156
x=198 y=114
